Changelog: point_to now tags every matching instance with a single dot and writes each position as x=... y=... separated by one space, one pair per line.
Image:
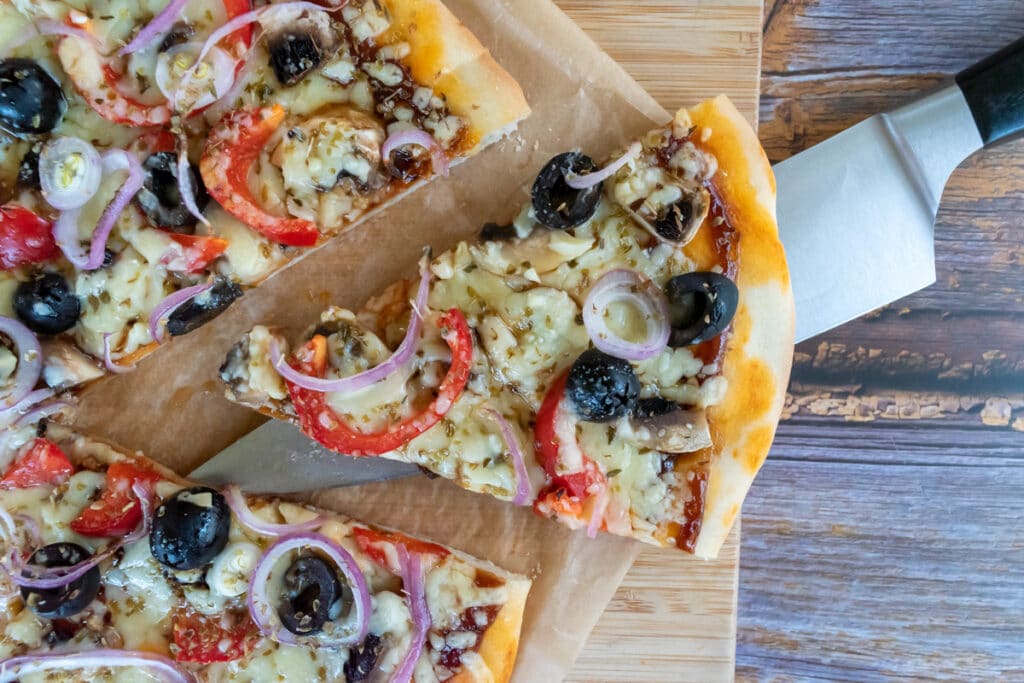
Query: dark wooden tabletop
x=884 y=538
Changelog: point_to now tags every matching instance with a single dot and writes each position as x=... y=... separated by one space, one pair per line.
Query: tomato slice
x=373 y=542
x=43 y=463
x=199 y=251
x=117 y=512
x=577 y=484
x=319 y=422
x=25 y=237
x=206 y=639
x=231 y=149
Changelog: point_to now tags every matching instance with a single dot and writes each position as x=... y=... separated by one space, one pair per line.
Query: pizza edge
x=759 y=350
x=499 y=644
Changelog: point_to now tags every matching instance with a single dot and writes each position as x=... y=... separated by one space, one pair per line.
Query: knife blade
x=856 y=216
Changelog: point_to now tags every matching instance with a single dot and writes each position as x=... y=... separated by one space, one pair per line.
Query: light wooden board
x=674 y=618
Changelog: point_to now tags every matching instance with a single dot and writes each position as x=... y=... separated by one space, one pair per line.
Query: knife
x=856 y=215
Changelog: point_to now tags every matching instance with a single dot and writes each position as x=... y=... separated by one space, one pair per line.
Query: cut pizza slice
x=616 y=358
x=158 y=158
x=114 y=566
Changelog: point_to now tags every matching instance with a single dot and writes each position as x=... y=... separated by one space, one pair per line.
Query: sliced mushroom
x=677 y=431
x=676 y=212
x=65 y=366
x=298 y=42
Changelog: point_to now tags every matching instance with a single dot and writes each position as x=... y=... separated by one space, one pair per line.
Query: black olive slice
x=200 y=310
x=179 y=34
x=190 y=528
x=654 y=407
x=492 y=232
x=311 y=589
x=293 y=55
x=602 y=387
x=362 y=659
x=69 y=599
x=557 y=205
x=47 y=304
x=28 y=171
x=160 y=198
x=31 y=101
x=701 y=306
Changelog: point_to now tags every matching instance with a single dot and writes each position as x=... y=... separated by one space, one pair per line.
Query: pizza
x=616 y=357
x=159 y=157
x=113 y=567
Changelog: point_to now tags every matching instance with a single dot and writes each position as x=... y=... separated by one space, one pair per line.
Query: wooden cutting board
x=674 y=618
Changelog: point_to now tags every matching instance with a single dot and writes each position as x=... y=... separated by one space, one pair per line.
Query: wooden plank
x=674 y=618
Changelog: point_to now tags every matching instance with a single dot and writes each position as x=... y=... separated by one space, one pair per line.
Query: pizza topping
x=151 y=31
x=73 y=596
x=44 y=463
x=303 y=44
x=338 y=629
x=160 y=197
x=558 y=451
x=229 y=573
x=626 y=287
x=320 y=422
x=209 y=81
x=411 y=570
x=582 y=182
x=413 y=136
x=312 y=593
x=190 y=528
x=602 y=388
x=47 y=304
x=25 y=238
x=205 y=639
x=557 y=205
x=701 y=306
x=363 y=659
x=121 y=506
x=109 y=363
x=679 y=221
x=524 y=490
x=28 y=361
x=70 y=170
x=170 y=304
x=247 y=518
x=31 y=101
x=100 y=659
x=667 y=427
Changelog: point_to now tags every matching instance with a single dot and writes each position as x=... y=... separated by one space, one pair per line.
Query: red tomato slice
x=546 y=442
x=25 y=237
x=373 y=543
x=205 y=639
x=321 y=423
x=200 y=250
x=231 y=149
x=118 y=511
x=43 y=463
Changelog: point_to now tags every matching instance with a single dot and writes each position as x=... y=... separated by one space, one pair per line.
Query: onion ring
x=247 y=518
x=626 y=285
x=168 y=305
x=108 y=361
x=411 y=567
x=16 y=668
x=70 y=170
x=422 y=139
x=524 y=491
x=30 y=363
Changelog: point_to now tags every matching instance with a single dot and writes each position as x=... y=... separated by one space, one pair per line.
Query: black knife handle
x=994 y=89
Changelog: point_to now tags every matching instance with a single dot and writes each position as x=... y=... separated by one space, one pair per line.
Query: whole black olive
x=200 y=310
x=190 y=528
x=293 y=55
x=311 y=589
x=653 y=407
x=602 y=387
x=179 y=34
x=673 y=219
x=701 y=306
x=557 y=205
x=160 y=197
x=46 y=304
x=31 y=101
x=71 y=598
x=28 y=171
x=492 y=232
x=362 y=659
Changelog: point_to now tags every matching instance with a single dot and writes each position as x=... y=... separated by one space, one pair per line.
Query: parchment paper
x=173 y=408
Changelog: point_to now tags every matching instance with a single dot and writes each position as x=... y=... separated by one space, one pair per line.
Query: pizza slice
x=617 y=357
x=156 y=159
x=113 y=566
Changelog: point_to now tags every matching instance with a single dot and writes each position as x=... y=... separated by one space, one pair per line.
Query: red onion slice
x=151 y=31
x=626 y=285
x=108 y=361
x=421 y=138
x=163 y=668
x=248 y=519
x=30 y=362
x=146 y=501
x=220 y=79
x=168 y=305
x=31 y=399
x=43 y=411
x=188 y=195
x=70 y=170
x=398 y=359
x=65 y=230
x=597 y=514
x=524 y=491
x=411 y=567
x=582 y=182
x=264 y=613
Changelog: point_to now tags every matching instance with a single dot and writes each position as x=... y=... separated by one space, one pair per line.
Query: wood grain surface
x=883 y=538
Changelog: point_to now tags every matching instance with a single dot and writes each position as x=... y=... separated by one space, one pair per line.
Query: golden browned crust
x=446 y=56
x=760 y=347
x=500 y=643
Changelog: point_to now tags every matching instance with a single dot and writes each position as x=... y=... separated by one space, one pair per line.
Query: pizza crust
x=759 y=350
